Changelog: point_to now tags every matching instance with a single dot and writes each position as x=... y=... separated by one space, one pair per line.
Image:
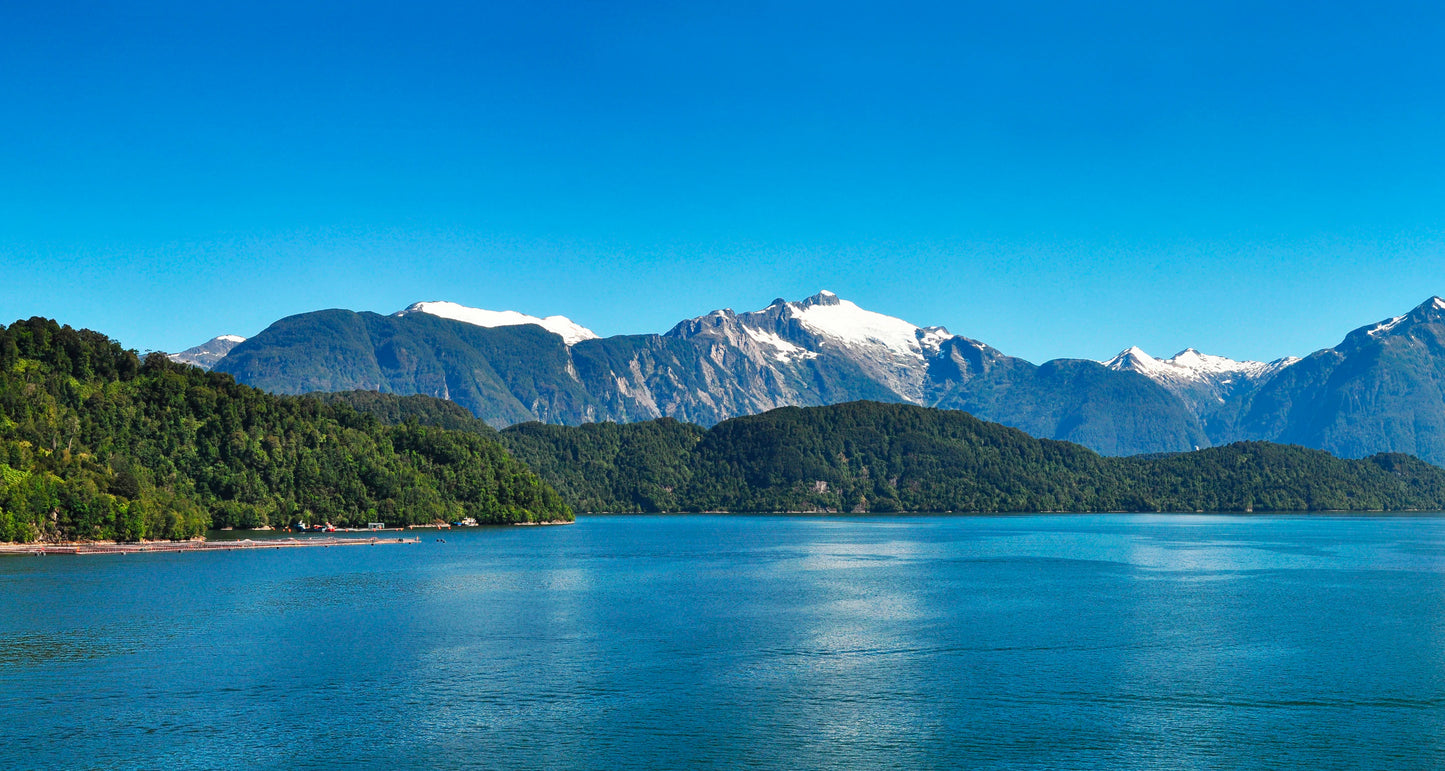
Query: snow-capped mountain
x=570 y=331
x=1432 y=311
x=507 y=367
x=787 y=335
x=1202 y=380
x=1379 y=390
x=840 y=322
x=208 y=353
x=1189 y=365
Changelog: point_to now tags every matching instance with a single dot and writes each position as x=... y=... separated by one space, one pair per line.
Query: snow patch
x=1386 y=326
x=782 y=349
x=570 y=331
x=846 y=322
x=231 y=339
x=933 y=338
x=1191 y=365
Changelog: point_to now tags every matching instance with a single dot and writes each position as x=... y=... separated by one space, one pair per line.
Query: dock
x=42 y=549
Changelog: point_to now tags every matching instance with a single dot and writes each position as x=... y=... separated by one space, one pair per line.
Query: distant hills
x=874 y=457
x=1381 y=390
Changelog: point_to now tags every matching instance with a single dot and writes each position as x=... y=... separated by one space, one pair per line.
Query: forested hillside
x=868 y=456
x=620 y=468
x=96 y=444
x=394 y=410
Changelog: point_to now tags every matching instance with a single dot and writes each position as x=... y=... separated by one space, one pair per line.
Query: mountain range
x=1381 y=390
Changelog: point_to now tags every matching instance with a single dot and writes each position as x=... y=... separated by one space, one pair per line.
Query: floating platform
x=41 y=549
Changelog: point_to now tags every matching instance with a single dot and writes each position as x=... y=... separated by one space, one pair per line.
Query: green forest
x=874 y=457
x=96 y=443
x=612 y=467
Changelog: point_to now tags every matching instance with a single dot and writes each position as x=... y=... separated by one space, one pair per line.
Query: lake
x=1118 y=641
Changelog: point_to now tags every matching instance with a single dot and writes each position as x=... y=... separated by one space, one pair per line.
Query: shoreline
x=194 y=545
x=202 y=543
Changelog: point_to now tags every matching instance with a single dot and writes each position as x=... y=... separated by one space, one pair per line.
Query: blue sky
x=1054 y=178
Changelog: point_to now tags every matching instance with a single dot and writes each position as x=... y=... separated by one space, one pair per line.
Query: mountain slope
x=1381 y=390
x=503 y=375
x=613 y=467
x=822 y=350
x=1116 y=413
x=1205 y=383
x=208 y=353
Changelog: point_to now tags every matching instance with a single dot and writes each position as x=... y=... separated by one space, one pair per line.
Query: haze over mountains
x=1382 y=389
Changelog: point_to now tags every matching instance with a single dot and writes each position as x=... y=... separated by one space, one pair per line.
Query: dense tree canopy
x=95 y=443
x=620 y=468
x=868 y=456
x=394 y=410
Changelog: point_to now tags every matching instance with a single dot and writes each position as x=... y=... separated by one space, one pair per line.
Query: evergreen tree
x=96 y=444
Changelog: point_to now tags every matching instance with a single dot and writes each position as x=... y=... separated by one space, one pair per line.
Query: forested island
x=874 y=457
x=96 y=443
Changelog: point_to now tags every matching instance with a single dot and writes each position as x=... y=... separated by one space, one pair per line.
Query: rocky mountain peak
x=1432 y=311
x=824 y=298
x=1203 y=381
x=208 y=353
x=842 y=323
x=1132 y=358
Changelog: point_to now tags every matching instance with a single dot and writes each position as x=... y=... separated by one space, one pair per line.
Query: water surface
x=774 y=642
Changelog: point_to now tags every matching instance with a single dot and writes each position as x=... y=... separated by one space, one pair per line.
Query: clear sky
x=1054 y=178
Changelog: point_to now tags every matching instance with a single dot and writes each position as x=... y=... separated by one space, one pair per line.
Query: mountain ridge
x=820 y=350
x=825 y=349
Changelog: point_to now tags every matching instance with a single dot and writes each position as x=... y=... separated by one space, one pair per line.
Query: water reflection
x=1080 y=642
x=845 y=675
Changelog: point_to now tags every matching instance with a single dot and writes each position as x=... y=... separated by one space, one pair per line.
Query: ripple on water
x=30 y=649
x=1028 y=642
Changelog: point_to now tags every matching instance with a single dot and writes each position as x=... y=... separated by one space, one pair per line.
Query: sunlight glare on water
x=778 y=642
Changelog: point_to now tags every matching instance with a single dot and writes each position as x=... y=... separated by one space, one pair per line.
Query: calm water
x=776 y=642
